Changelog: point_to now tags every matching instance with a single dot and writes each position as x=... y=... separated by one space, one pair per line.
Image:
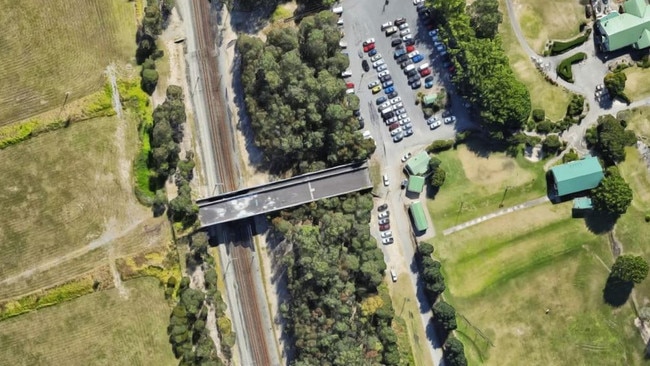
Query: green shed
x=577 y=176
x=416 y=184
x=418 y=164
x=417 y=214
x=430 y=99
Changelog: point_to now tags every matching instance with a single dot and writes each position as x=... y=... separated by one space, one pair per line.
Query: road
x=251 y=323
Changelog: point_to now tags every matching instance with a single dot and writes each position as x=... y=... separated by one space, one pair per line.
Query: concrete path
x=504 y=211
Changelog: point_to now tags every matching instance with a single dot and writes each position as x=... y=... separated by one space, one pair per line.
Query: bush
x=576 y=106
x=539 y=115
x=559 y=47
x=564 y=68
x=149 y=80
x=544 y=126
x=440 y=145
x=552 y=144
x=647 y=217
x=570 y=156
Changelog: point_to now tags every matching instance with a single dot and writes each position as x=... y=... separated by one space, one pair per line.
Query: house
x=418 y=217
x=577 y=176
x=632 y=28
x=418 y=164
x=416 y=184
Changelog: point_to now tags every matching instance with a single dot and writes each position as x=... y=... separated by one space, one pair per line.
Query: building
x=418 y=164
x=418 y=216
x=416 y=184
x=581 y=206
x=577 y=176
x=632 y=28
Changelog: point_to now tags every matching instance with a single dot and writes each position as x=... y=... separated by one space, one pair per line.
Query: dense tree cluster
x=485 y=18
x=613 y=195
x=615 y=85
x=610 y=138
x=437 y=174
x=454 y=352
x=630 y=268
x=444 y=317
x=483 y=73
x=334 y=313
x=295 y=97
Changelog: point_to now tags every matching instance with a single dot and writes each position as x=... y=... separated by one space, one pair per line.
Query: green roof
x=416 y=184
x=419 y=164
x=627 y=29
x=419 y=219
x=429 y=99
x=577 y=176
x=582 y=203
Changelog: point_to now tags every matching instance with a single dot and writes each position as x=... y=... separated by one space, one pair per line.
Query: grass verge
x=407 y=313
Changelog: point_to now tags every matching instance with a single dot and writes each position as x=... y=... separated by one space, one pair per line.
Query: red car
x=410 y=48
x=349 y=85
x=384 y=227
x=369 y=47
x=425 y=72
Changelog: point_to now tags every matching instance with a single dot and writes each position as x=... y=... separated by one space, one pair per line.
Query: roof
x=430 y=98
x=627 y=29
x=577 y=176
x=419 y=164
x=416 y=184
x=419 y=219
x=582 y=203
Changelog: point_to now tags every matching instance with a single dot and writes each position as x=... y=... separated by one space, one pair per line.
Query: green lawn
x=554 y=100
x=97 y=329
x=637 y=86
x=503 y=274
x=476 y=185
x=541 y=21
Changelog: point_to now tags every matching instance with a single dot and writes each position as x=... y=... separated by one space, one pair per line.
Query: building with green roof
x=417 y=214
x=632 y=28
x=416 y=184
x=577 y=176
x=418 y=164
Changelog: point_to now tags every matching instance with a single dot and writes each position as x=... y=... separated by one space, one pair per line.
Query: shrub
x=552 y=144
x=564 y=68
x=539 y=115
x=440 y=145
x=570 y=156
x=559 y=47
x=576 y=106
x=647 y=217
x=544 y=127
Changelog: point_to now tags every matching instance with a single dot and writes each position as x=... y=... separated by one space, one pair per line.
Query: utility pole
x=504 y=196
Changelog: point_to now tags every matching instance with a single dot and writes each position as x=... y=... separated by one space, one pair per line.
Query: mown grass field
x=407 y=319
x=66 y=194
x=97 y=329
x=476 y=185
x=637 y=86
x=50 y=48
x=541 y=21
x=554 y=100
x=503 y=274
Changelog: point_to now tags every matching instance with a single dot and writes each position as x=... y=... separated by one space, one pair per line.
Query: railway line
x=240 y=241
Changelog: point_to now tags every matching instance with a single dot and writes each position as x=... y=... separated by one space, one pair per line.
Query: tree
x=425 y=249
x=552 y=144
x=444 y=315
x=149 y=80
x=630 y=268
x=613 y=194
x=159 y=203
x=438 y=178
x=611 y=137
x=434 y=163
x=454 y=352
x=485 y=18
x=615 y=84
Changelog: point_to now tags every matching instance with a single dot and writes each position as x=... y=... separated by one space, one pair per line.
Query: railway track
x=241 y=248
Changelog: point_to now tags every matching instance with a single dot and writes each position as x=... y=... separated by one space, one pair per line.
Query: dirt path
x=117 y=279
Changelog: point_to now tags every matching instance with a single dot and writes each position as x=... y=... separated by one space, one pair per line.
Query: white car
x=398 y=105
x=435 y=124
x=387 y=240
x=383 y=73
x=383 y=215
x=398 y=137
x=396 y=100
x=373 y=84
x=402 y=116
x=339 y=22
x=338 y=10
x=416 y=2
x=406 y=157
x=378 y=63
x=391 y=120
x=376 y=57
x=450 y=120
x=387 y=234
x=383 y=105
x=349 y=91
x=413 y=54
x=386 y=184
x=386 y=25
x=403 y=26
x=382 y=67
x=408 y=126
x=407 y=37
x=404 y=121
x=368 y=41
x=346 y=73
x=396 y=131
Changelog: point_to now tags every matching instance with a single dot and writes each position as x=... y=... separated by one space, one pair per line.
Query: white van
x=423 y=66
x=409 y=68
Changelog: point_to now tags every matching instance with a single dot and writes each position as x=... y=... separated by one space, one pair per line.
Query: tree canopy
x=613 y=194
x=610 y=138
x=296 y=98
x=485 y=18
x=630 y=268
x=615 y=84
x=444 y=315
x=454 y=352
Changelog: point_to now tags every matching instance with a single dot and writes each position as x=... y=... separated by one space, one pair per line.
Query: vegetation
x=334 y=313
x=615 y=85
x=440 y=145
x=613 y=195
x=630 y=268
x=610 y=138
x=559 y=47
x=564 y=68
x=576 y=106
x=485 y=18
x=539 y=115
x=454 y=352
x=552 y=144
x=444 y=317
x=296 y=99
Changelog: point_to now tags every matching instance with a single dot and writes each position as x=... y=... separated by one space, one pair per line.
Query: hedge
x=559 y=47
x=440 y=145
x=564 y=68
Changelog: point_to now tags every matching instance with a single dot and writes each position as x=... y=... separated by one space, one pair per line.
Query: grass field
x=64 y=194
x=554 y=100
x=97 y=329
x=636 y=86
x=503 y=274
x=475 y=185
x=541 y=21
x=50 y=48
x=407 y=314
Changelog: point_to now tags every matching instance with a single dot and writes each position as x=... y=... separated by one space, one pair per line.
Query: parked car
x=382 y=67
x=384 y=105
x=417 y=58
x=408 y=132
x=401 y=111
x=365 y=65
x=410 y=48
x=390 y=30
x=396 y=42
x=432 y=120
x=383 y=73
x=400 y=21
x=346 y=73
x=384 y=227
x=372 y=52
x=388 y=241
x=369 y=47
x=386 y=25
x=396 y=131
x=381 y=100
x=392 y=95
x=383 y=215
x=399 y=52
x=403 y=26
x=384 y=221
x=376 y=57
x=416 y=85
x=413 y=54
x=373 y=84
x=425 y=72
x=386 y=184
x=413 y=79
x=450 y=120
x=388 y=115
x=362 y=124
x=416 y=2
x=390 y=89
x=405 y=32
x=393 y=126
x=385 y=78
x=411 y=73
x=386 y=234
x=405 y=64
x=409 y=42
x=376 y=89
x=393 y=275
x=349 y=85
x=428 y=82
x=382 y=207
x=406 y=157
x=387 y=84
x=407 y=37
x=405 y=121
x=398 y=137
x=377 y=63
x=395 y=100
x=369 y=41
x=391 y=120
x=433 y=32
x=405 y=182
x=435 y=124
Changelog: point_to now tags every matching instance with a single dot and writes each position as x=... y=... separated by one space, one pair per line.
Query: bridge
x=283 y=194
